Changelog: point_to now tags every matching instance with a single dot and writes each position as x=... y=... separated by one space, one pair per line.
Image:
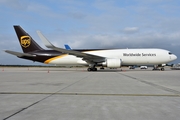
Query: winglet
x=45 y=40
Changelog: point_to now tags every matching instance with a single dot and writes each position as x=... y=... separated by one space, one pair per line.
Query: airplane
x=111 y=58
x=67 y=47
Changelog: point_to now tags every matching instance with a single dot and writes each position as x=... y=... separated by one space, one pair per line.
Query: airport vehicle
x=132 y=67
x=176 y=67
x=111 y=58
x=143 y=67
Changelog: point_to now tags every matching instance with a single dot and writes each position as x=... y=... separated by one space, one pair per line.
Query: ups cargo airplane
x=111 y=58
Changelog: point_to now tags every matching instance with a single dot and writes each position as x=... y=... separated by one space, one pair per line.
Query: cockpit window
x=170 y=53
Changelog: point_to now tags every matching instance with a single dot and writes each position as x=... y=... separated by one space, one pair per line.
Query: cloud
x=130 y=30
x=77 y=15
x=14 y=4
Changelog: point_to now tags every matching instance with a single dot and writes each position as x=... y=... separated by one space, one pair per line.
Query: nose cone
x=174 y=57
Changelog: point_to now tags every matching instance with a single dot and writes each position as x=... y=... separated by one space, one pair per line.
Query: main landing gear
x=92 y=69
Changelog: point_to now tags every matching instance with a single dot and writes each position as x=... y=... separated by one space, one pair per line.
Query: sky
x=91 y=24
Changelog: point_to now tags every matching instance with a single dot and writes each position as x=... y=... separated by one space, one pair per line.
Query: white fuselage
x=127 y=56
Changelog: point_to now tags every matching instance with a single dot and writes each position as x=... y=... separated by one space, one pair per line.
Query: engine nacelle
x=161 y=65
x=113 y=63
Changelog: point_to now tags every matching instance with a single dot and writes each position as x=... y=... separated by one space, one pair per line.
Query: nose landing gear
x=157 y=68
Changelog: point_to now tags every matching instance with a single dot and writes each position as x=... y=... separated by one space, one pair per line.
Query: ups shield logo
x=25 y=41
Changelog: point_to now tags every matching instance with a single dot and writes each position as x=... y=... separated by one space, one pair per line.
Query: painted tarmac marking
x=92 y=94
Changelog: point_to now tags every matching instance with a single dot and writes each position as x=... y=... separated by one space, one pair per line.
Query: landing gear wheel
x=92 y=69
x=89 y=69
x=162 y=69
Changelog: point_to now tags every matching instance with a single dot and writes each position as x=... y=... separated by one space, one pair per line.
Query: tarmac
x=75 y=94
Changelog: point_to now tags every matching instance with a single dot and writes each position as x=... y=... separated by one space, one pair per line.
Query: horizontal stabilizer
x=18 y=54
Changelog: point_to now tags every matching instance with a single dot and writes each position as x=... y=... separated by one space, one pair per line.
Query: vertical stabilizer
x=26 y=41
x=67 y=47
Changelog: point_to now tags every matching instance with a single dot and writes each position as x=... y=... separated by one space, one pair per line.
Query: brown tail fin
x=26 y=41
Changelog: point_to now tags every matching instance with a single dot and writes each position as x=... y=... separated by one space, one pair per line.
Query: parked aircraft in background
x=111 y=58
x=67 y=47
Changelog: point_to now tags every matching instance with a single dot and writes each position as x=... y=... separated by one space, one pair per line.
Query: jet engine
x=161 y=65
x=113 y=63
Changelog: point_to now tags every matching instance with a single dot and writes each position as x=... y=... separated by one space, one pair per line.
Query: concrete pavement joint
x=152 y=84
x=50 y=94
x=92 y=94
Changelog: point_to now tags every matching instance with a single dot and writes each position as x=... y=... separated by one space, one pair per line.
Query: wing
x=18 y=54
x=89 y=58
